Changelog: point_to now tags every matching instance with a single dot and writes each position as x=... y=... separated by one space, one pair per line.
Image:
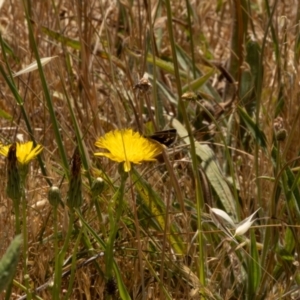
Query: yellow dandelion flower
x=128 y=146
x=25 y=151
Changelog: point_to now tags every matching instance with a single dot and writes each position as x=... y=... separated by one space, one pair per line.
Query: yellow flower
x=25 y=152
x=129 y=147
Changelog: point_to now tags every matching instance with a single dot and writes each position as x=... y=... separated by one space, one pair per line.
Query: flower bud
x=97 y=187
x=54 y=196
x=74 y=199
x=13 y=188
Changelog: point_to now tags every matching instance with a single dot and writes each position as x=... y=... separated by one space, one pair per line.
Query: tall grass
x=225 y=76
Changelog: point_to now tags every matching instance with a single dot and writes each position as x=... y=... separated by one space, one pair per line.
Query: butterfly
x=165 y=137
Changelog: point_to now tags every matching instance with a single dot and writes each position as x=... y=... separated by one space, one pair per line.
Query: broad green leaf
x=9 y=262
x=212 y=169
x=214 y=174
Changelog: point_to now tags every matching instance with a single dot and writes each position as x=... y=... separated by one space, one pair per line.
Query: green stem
x=17 y=216
x=25 y=241
x=114 y=221
x=55 y=291
x=182 y=114
x=73 y=265
x=61 y=255
x=23 y=288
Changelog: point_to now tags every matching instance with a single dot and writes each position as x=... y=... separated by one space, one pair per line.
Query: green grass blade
x=5 y=115
x=122 y=288
x=199 y=82
x=74 y=44
x=182 y=115
x=47 y=96
x=253 y=128
x=187 y=64
x=285 y=255
x=212 y=169
x=13 y=88
x=254 y=268
x=161 y=87
x=156 y=208
x=10 y=51
x=250 y=76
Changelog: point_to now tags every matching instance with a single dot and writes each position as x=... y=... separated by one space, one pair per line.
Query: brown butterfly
x=165 y=137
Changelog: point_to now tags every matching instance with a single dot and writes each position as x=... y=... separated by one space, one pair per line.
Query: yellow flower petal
x=4 y=150
x=25 y=151
x=128 y=146
x=127 y=166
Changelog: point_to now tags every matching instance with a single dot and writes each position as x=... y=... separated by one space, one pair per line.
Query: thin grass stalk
x=68 y=68
x=10 y=82
x=55 y=290
x=297 y=34
x=25 y=239
x=23 y=288
x=164 y=242
x=8 y=291
x=159 y=119
x=17 y=217
x=228 y=159
x=47 y=95
x=79 y=138
x=138 y=236
x=291 y=134
x=158 y=278
x=229 y=162
x=61 y=256
x=268 y=232
x=117 y=203
x=78 y=132
x=183 y=114
x=275 y=40
x=122 y=289
x=111 y=64
x=190 y=29
x=73 y=266
x=238 y=34
x=85 y=162
x=99 y=216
